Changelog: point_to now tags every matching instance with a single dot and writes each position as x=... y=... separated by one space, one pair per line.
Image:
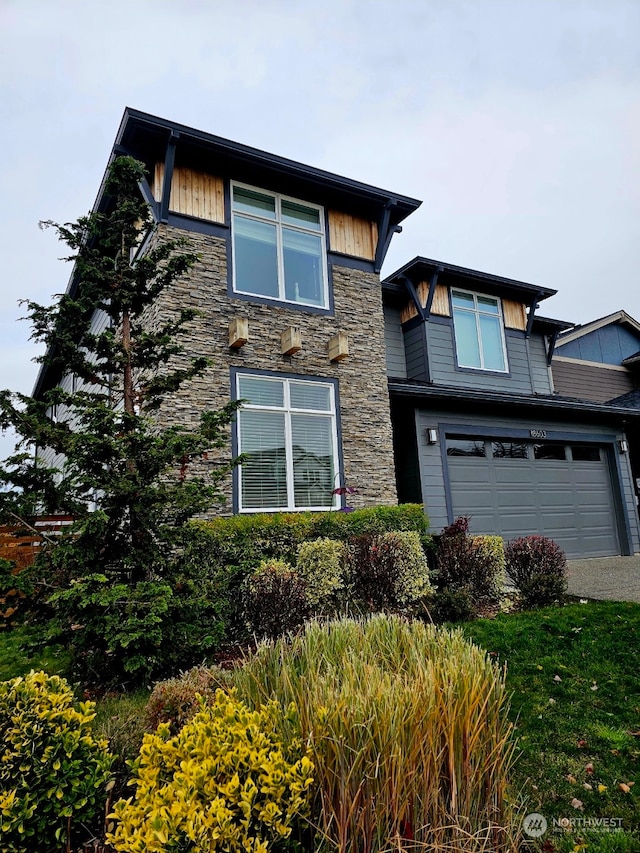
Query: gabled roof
x=421 y=269
x=620 y=317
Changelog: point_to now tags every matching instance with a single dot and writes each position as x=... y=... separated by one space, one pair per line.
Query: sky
x=516 y=122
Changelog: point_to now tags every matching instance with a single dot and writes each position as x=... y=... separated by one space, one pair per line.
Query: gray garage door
x=516 y=488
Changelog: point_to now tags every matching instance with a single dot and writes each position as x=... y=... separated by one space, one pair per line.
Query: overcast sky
x=517 y=122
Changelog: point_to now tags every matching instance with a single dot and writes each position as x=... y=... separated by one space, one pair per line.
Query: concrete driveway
x=612 y=578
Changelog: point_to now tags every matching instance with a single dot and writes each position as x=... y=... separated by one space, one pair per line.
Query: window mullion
x=288 y=440
x=479 y=332
x=280 y=248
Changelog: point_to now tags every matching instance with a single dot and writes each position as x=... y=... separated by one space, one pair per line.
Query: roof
x=548 y=402
x=421 y=268
x=146 y=136
x=630 y=400
x=620 y=317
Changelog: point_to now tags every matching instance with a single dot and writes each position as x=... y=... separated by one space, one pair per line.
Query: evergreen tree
x=129 y=484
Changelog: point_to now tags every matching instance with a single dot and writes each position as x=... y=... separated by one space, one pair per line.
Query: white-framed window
x=278 y=247
x=287 y=429
x=479 y=331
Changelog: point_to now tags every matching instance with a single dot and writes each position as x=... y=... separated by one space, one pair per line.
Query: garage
x=516 y=487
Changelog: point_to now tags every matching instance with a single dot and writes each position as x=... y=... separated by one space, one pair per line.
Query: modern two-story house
x=433 y=385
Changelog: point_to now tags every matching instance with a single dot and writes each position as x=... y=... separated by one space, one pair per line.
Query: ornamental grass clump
x=53 y=772
x=226 y=782
x=408 y=730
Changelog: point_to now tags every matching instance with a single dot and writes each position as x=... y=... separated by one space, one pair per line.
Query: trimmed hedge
x=243 y=541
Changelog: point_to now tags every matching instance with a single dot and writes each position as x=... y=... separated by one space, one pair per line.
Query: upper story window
x=287 y=430
x=278 y=247
x=479 y=331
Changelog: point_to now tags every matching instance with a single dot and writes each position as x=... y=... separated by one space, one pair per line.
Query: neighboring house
x=600 y=361
x=478 y=429
x=443 y=394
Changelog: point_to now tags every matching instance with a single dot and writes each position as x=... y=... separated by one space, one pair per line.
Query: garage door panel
x=571 y=502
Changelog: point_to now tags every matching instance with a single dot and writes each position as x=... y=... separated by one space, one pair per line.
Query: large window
x=278 y=247
x=287 y=430
x=479 y=333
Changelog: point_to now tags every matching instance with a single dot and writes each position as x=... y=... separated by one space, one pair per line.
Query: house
x=478 y=427
x=433 y=385
x=288 y=293
x=600 y=361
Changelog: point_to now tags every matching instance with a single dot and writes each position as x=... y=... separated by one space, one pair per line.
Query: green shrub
x=275 y=599
x=225 y=781
x=176 y=700
x=386 y=571
x=451 y=605
x=472 y=564
x=53 y=771
x=538 y=568
x=408 y=728
x=320 y=563
x=119 y=632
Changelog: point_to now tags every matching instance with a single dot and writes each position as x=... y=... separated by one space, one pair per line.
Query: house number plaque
x=538 y=433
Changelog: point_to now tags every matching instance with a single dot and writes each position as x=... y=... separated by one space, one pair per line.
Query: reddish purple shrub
x=538 y=568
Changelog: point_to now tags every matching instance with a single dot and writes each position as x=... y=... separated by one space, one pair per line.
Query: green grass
x=25 y=648
x=574 y=675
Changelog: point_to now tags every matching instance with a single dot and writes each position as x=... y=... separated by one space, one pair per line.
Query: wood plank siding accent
x=353 y=236
x=515 y=315
x=440 y=304
x=193 y=193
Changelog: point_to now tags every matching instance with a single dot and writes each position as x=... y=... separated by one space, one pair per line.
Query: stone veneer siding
x=365 y=420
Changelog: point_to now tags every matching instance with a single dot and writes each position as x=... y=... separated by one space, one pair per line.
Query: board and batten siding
x=193 y=193
x=394 y=343
x=432 y=473
x=351 y=235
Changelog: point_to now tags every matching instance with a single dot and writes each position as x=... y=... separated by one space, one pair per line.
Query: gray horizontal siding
x=442 y=360
x=415 y=353
x=431 y=461
x=539 y=368
x=394 y=343
x=588 y=382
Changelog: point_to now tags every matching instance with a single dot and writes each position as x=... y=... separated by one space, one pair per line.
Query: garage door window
x=509 y=450
x=585 y=453
x=549 y=451
x=465 y=446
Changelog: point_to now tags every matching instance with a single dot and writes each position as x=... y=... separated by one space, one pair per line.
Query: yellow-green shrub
x=224 y=782
x=320 y=563
x=53 y=771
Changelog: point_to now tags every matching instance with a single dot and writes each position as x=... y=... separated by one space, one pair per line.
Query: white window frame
x=288 y=410
x=477 y=311
x=321 y=232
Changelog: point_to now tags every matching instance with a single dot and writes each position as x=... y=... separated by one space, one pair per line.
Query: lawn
x=574 y=676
